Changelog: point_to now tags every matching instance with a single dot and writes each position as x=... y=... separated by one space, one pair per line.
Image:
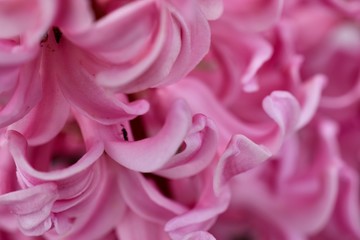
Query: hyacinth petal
x=239 y=59
x=199 y=235
x=254 y=15
x=146 y=201
x=285 y=110
x=202 y=100
x=182 y=40
x=79 y=88
x=123 y=78
x=212 y=9
x=153 y=153
x=312 y=91
x=202 y=216
x=241 y=155
x=200 y=149
x=32 y=207
x=30 y=20
x=103 y=211
x=125 y=228
x=74 y=16
x=12 y=55
x=26 y=95
x=18 y=149
x=43 y=123
x=135 y=21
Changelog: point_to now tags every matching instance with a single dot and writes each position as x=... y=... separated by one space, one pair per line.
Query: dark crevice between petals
x=102 y=8
x=57 y=34
x=161 y=183
x=243 y=236
x=137 y=126
x=97 y=10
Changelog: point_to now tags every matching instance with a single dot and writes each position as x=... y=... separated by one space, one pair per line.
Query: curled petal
x=25 y=95
x=199 y=235
x=200 y=148
x=181 y=40
x=32 y=207
x=153 y=153
x=79 y=88
x=30 y=20
x=312 y=90
x=254 y=15
x=241 y=155
x=125 y=228
x=145 y=200
x=351 y=7
x=44 y=122
x=202 y=216
x=285 y=110
x=69 y=181
x=211 y=8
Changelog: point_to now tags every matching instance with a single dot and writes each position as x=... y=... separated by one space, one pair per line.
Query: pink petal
x=79 y=88
x=181 y=42
x=145 y=200
x=199 y=235
x=25 y=96
x=284 y=109
x=211 y=8
x=144 y=229
x=200 y=148
x=29 y=20
x=32 y=206
x=254 y=15
x=203 y=215
x=241 y=155
x=43 y=122
x=153 y=153
x=69 y=180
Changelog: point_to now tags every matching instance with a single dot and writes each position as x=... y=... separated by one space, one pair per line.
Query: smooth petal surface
x=241 y=155
x=153 y=153
x=79 y=88
x=32 y=207
x=44 y=123
x=25 y=94
x=200 y=148
x=200 y=235
x=147 y=202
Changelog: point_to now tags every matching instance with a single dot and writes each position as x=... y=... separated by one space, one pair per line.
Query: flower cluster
x=180 y=119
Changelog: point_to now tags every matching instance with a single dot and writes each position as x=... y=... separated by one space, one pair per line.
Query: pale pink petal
x=32 y=207
x=135 y=23
x=43 y=123
x=144 y=229
x=200 y=218
x=145 y=200
x=200 y=148
x=153 y=153
x=27 y=20
x=74 y=16
x=233 y=62
x=241 y=155
x=65 y=178
x=12 y=54
x=351 y=7
x=79 y=88
x=199 y=235
x=99 y=214
x=284 y=109
x=211 y=8
x=25 y=95
x=254 y=15
x=181 y=41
